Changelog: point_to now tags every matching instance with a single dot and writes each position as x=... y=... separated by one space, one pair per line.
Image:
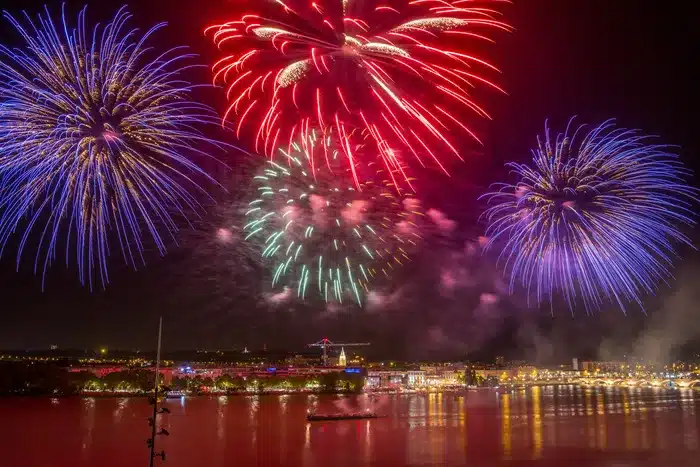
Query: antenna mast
x=151 y=442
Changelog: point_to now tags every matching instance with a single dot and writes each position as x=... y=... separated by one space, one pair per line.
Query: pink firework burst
x=400 y=71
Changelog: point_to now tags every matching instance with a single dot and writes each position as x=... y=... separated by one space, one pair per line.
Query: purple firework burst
x=595 y=217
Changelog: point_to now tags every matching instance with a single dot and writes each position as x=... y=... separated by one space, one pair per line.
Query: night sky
x=597 y=59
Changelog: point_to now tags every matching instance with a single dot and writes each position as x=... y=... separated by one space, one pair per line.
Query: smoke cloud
x=355 y=213
x=411 y=204
x=224 y=235
x=318 y=207
x=488 y=299
x=377 y=300
x=674 y=324
x=443 y=222
x=449 y=302
x=280 y=297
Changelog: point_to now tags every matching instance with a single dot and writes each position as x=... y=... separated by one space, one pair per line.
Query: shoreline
x=140 y=394
x=112 y=395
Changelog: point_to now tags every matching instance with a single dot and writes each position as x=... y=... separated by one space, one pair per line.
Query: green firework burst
x=324 y=235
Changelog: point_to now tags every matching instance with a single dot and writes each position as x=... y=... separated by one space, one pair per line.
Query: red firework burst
x=382 y=67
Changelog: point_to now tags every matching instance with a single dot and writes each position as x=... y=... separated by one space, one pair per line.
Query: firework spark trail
x=321 y=232
x=595 y=217
x=94 y=137
x=384 y=69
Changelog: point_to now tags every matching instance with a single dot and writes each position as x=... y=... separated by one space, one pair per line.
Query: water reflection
x=602 y=438
x=479 y=427
x=122 y=405
x=88 y=421
x=536 y=423
x=312 y=402
x=643 y=416
x=690 y=426
x=253 y=406
x=221 y=417
x=505 y=426
x=283 y=402
x=628 y=410
x=367 y=453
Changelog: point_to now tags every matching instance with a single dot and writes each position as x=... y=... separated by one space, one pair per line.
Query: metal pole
x=155 y=395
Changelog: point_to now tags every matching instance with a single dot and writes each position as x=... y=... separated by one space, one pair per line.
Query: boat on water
x=312 y=417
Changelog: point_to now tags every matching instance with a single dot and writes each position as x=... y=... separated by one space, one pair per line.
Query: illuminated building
x=426 y=377
x=415 y=378
x=385 y=379
x=261 y=371
x=442 y=375
x=605 y=367
x=102 y=371
x=302 y=360
x=342 y=361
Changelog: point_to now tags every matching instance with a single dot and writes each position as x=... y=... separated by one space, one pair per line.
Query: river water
x=550 y=426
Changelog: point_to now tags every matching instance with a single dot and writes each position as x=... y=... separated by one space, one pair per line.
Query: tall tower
x=342 y=361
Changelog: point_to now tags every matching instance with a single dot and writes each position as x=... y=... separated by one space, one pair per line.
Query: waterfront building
x=443 y=375
x=415 y=378
x=604 y=366
x=385 y=379
x=425 y=377
x=101 y=371
x=260 y=371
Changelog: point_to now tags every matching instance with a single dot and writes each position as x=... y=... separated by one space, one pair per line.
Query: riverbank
x=369 y=391
x=118 y=394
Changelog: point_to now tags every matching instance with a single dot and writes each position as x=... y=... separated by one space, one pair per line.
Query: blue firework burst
x=595 y=217
x=96 y=131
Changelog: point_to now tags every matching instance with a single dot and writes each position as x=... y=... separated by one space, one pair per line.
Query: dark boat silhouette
x=312 y=417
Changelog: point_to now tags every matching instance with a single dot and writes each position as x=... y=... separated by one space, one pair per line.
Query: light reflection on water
x=88 y=421
x=564 y=423
x=122 y=405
